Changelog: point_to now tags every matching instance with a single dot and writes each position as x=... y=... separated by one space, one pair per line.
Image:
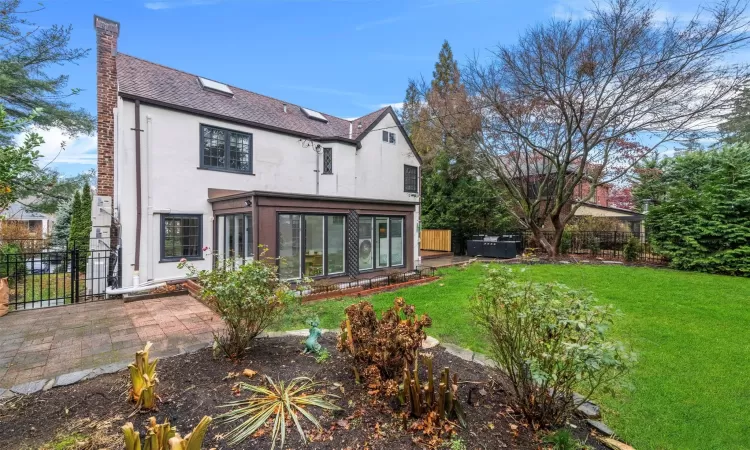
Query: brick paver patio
x=44 y=343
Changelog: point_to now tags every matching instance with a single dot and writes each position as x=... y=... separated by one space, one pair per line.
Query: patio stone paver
x=45 y=343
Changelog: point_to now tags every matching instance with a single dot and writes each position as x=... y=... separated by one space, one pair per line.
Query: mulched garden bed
x=194 y=385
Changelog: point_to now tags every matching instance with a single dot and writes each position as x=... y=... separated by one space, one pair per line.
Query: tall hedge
x=704 y=222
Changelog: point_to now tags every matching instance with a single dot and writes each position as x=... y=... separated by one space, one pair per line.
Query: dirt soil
x=194 y=385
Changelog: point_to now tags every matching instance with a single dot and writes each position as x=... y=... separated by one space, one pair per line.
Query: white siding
x=170 y=153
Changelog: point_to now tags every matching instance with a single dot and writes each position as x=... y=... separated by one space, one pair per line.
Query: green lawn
x=691 y=387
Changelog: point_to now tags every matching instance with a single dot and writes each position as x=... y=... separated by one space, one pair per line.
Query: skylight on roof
x=314 y=114
x=215 y=86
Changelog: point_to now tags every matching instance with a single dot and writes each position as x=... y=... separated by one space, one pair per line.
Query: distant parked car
x=47 y=262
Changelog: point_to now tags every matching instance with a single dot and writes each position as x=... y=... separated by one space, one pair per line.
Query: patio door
x=234 y=237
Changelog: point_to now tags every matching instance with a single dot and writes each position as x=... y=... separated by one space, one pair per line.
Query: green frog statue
x=311 y=344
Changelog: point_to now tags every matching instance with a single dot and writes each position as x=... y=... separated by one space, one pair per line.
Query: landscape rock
x=273 y=334
x=484 y=360
x=73 y=377
x=600 y=427
x=430 y=342
x=460 y=352
x=5 y=393
x=589 y=410
x=302 y=333
x=612 y=262
x=106 y=369
x=50 y=384
x=29 y=387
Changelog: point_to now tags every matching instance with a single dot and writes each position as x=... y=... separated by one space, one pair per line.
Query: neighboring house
x=598 y=206
x=199 y=169
x=39 y=224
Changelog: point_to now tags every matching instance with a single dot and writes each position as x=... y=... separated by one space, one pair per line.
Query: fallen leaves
x=231 y=376
x=249 y=373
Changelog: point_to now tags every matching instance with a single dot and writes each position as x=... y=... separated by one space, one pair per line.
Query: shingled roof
x=160 y=85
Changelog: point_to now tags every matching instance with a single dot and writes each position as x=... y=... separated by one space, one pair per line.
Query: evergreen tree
x=27 y=54
x=446 y=78
x=412 y=108
x=84 y=235
x=61 y=229
x=75 y=220
x=453 y=197
x=702 y=224
x=736 y=128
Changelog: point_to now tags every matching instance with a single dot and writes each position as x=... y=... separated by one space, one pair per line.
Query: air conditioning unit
x=96 y=275
x=101 y=211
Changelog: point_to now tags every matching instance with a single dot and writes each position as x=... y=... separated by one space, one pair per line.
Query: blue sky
x=342 y=57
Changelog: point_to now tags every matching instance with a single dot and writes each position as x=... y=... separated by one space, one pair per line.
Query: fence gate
x=41 y=275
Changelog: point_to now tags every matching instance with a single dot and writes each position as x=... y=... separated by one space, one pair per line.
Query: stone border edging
x=32 y=387
x=589 y=410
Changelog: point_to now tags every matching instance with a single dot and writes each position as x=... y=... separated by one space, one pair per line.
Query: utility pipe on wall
x=137 y=129
x=149 y=203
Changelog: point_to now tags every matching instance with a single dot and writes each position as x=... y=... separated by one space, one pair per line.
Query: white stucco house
x=198 y=169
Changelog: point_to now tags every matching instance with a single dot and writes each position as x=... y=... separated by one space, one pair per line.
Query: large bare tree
x=582 y=102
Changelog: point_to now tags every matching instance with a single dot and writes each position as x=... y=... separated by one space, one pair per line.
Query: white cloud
x=171 y=4
x=377 y=23
x=61 y=149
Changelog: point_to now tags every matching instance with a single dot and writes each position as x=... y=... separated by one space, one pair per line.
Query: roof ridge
x=237 y=87
x=376 y=112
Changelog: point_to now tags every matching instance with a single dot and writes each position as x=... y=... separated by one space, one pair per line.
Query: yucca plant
x=280 y=401
x=143 y=379
x=164 y=437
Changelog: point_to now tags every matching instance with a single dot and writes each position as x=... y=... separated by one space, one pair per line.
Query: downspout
x=137 y=129
x=255 y=220
x=149 y=204
x=317 y=170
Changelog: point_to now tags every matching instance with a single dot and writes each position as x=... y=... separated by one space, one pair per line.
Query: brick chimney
x=106 y=101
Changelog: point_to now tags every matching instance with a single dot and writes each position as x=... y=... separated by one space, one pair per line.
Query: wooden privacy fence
x=438 y=240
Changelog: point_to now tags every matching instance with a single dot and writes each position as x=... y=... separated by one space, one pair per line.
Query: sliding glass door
x=311 y=245
x=397 y=241
x=290 y=245
x=382 y=248
x=336 y=240
x=234 y=237
x=381 y=242
x=314 y=245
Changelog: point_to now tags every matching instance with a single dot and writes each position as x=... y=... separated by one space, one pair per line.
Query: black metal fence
x=594 y=244
x=372 y=283
x=41 y=274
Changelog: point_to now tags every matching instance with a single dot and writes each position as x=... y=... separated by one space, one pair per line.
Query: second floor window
x=389 y=137
x=410 y=178
x=327 y=160
x=226 y=150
